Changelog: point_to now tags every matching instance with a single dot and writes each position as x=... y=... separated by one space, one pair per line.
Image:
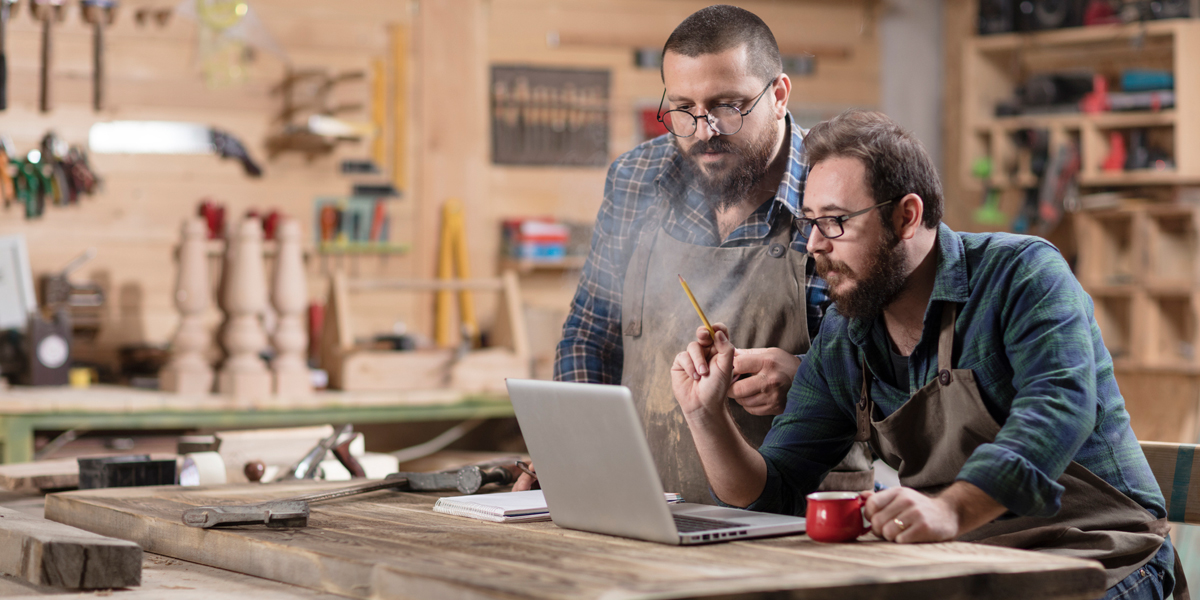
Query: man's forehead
x=710 y=74
x=836 y=183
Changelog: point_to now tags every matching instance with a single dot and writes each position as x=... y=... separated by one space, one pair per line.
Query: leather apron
x=929 y=438
x=758 y=291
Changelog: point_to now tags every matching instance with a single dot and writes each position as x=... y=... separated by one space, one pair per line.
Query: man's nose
x=817 y=243
x=704 y=131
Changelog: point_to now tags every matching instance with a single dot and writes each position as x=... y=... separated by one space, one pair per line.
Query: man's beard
x=881 y=282
x=732 y=183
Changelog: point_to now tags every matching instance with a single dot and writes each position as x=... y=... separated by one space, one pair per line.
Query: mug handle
x=862 y=502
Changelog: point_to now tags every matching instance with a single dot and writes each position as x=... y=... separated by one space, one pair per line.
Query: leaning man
x=971 y=363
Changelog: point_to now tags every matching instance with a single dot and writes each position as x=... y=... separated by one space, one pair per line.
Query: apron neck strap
x=946 y=336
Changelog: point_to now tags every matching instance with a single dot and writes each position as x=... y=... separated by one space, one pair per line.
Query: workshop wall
x=447 y=51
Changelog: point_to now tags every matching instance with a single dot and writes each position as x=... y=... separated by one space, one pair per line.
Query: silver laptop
x=597 y=474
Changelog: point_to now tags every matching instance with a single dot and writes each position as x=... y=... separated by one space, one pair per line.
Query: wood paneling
x=152 y=74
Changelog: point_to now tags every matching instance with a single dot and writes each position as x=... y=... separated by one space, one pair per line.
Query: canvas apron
x=758 y=291
x=930 y=437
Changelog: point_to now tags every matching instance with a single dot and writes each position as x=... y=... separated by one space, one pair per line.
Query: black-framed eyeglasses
x=831 y=227
x=722 y=119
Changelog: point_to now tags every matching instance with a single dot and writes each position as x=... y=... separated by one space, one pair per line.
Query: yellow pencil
x=696 y=305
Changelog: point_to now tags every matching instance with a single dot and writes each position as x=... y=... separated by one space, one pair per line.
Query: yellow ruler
x=453 y=263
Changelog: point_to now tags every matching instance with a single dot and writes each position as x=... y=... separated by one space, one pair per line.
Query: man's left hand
x=770 y=373
x=907 y=516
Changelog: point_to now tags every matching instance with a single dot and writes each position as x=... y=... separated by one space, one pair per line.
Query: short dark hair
x=721 y=27
x=895 y=161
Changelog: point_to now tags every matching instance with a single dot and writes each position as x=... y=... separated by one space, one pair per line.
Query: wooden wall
x=152 y=74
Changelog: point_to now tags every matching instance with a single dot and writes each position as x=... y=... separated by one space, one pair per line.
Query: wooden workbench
x=392 y=545
x=24 y=410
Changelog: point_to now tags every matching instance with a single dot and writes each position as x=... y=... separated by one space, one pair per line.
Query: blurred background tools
x=293 y=512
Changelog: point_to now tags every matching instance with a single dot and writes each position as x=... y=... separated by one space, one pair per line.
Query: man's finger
x=724 y=348
x=746 y=361
x=703 y=337
x=523 y=483
x=699 y=358
x=683 y=362
x=753 y=385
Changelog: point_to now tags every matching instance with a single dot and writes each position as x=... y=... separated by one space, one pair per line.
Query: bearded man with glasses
x=970 y=362
x=713 y=200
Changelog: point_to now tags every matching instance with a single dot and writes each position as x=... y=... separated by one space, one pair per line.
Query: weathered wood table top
x=392 y=545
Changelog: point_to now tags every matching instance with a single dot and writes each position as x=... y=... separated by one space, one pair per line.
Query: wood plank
x=48 y=553
x=391 y=545
x=44 y=475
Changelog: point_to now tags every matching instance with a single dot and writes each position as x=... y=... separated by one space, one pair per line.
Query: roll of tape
x=202 y=468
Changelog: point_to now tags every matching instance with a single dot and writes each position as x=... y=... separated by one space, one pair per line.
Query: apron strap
x=946 y=341
x=1181 y=586
x=634 y=294
x=863 y=409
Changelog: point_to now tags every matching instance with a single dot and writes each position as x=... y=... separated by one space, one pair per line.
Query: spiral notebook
x=505 y=507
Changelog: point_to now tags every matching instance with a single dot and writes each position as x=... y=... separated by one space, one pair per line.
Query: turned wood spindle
x=290 y=297
x=244 y=375
x=188 y=371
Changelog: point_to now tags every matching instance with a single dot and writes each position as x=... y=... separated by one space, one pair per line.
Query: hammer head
x=281 y=513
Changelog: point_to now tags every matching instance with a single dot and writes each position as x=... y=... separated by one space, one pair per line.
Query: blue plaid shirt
x=591 y=349
x=1026 y=328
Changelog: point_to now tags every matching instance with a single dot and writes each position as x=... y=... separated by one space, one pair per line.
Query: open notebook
x=505 y=507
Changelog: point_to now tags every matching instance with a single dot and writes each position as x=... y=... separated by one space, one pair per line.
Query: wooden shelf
x=1127 y=178
x=1073 y=121
x=1077 y=36
x=525 y=266
x=363 y=248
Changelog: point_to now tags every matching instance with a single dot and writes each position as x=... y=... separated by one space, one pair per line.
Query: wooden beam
x=47 y=553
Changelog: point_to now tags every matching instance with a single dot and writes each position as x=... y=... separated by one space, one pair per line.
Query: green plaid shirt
x=1025 y=327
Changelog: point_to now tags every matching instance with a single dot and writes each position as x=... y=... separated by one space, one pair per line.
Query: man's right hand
x=701 y=375
x=525 y=481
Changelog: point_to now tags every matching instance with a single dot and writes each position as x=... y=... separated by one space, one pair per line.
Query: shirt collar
x=950 y=283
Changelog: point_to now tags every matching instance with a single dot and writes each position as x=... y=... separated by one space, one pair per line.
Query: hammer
x=293 y=512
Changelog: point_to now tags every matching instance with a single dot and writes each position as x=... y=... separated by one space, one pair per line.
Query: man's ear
x=780 y=95
x=907 y=216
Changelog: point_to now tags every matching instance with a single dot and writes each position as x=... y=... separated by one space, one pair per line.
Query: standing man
x=971 y=363
x=713 y=201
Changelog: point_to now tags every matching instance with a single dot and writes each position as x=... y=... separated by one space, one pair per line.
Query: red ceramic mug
x=836 y=516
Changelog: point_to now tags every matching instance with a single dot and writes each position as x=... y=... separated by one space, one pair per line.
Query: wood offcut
x=47 y=553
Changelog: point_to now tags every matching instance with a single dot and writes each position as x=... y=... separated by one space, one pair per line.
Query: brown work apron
x=929 y=438
x=758 y=291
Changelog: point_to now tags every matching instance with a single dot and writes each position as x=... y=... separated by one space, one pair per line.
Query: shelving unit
x=995 y=65
x=1140 y=266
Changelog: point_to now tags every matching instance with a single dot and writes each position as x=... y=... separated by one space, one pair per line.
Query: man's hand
x=702 y=374
x=907 y=516
x=770 y=373
x=525 y=481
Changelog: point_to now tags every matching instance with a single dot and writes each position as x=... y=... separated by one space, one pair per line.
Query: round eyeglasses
x=722 y=119
x=831 y=227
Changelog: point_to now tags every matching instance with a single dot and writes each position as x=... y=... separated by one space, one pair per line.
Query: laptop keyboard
x=686 y=524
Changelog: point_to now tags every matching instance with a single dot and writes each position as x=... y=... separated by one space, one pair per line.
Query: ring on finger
x=900 y=524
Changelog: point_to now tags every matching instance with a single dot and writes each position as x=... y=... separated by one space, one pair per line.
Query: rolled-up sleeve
x=1048 y=342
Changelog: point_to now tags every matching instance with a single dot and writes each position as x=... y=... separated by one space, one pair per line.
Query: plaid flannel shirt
x=591 y=348
x=1026 y=329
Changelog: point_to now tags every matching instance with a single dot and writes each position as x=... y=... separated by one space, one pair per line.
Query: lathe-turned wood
x=289 y=295
x=188 y=372
x=244 y=375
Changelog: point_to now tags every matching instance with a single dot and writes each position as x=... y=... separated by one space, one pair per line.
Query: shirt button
x=944 y=377
x=776 y=250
